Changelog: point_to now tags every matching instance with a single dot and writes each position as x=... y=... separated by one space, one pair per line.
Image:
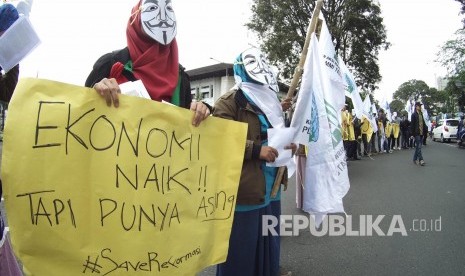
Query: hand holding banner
x=116 y=191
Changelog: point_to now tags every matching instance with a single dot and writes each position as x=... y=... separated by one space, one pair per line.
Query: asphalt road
x=391 y=185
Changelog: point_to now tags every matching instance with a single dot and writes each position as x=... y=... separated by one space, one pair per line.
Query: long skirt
x=250 y=252
x=8 y=264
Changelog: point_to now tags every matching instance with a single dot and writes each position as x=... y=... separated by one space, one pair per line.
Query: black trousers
x=366 y=145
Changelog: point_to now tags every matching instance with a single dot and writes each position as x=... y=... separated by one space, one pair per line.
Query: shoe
x=390 y=151
x=416 y=162
x=283 y=272
x=422 y=163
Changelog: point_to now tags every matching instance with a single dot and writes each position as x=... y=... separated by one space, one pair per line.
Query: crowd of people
x=151 y=55
x=396 y=133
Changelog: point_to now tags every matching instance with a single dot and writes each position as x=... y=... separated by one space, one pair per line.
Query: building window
x=206 y=91
x=194 y=93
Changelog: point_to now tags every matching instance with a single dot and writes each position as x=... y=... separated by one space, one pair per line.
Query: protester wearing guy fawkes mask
x=151 y=56
x=159 y=21
x=254 y=101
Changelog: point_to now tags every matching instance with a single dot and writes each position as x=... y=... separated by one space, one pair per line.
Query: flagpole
x=295 y=80
x=303 y=55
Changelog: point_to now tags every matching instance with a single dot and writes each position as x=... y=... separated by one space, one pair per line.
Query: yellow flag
x=97 y=190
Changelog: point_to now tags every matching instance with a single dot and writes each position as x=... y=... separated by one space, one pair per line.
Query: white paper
x=17 y=42
x=134 y=88
x=279 y=138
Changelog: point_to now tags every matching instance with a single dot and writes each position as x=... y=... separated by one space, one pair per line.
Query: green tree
x=412 y=89
x=356 y=27
x=452 y=54
x=417 y=90
x=462 y=9
x=437 y=100
x=455 y=93
x=397 y=106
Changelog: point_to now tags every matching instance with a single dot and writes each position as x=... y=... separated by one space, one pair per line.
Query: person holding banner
x=254 y=101
x=151 y=56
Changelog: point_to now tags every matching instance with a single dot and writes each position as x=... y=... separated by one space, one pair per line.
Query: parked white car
x=446 y=130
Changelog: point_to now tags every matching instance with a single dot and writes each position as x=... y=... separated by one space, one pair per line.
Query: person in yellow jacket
x=367 y=132
x=348 y=134
x=381 y=135
x=345 y=127
x=396 y=130
x=389 y=136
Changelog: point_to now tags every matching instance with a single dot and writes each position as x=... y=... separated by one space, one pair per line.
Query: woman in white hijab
x=254 y=101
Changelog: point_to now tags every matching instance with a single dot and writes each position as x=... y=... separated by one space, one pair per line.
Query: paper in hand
x=279 y=138
x=134 y=88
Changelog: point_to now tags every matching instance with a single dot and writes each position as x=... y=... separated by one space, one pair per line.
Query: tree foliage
x=418 y=90
x=412 y=89
x=356 y=27
x=462 y=10
x=452 y=57
x=397 y=106
x=454 y=93
x=452 y=54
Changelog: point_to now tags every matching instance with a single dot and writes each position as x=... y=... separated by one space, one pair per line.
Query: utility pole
x=221 y=62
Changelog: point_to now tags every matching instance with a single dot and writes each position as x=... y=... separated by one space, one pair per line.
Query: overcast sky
x=75 y=33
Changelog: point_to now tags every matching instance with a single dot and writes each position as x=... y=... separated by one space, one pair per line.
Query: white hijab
x=263 y=94
x=266 y=99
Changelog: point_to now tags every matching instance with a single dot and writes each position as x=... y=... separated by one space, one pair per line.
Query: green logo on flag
x=334 y=126
x=351 y=85
x=315 y=127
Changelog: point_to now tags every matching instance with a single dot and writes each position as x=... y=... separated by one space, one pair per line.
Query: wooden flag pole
x=295 y=80
x=303 y=55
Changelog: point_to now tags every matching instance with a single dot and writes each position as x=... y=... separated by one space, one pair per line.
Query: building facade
x=211 y=82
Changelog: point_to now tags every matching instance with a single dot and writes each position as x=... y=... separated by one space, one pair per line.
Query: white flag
x=305 y=115
x=368 y=113
x=351 y=89
x=326 y=175
x=426 y=117
x=409 y=107
x=333 y=82
x=387 y=110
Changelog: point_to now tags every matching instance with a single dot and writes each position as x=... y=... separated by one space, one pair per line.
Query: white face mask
x=158 y=20
x=258 y=69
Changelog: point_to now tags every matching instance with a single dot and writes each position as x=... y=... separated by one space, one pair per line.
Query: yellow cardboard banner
x=134 y=190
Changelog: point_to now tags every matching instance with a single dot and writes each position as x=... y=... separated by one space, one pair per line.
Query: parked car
x=446 y=130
